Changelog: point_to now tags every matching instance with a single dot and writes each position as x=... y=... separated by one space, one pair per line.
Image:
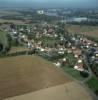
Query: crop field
x=88 y=30
x=68 y=91
x=17 y=49
x=25 y=74
x=12 y=17
x=18 y=22
x=9 y=13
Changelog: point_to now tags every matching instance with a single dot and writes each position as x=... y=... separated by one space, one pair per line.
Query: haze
x=50 y=3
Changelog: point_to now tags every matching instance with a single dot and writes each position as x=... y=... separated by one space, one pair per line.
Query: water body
x=79 y=19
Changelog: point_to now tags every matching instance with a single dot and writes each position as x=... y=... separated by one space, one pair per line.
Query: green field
x=93 y=83
x=73 y=73
x=48 y=41
x=3 y=38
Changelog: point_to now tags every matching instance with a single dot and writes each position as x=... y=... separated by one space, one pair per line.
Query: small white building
x=40 y=12
x=79 y=65
x=61 y=51
x=58 y=64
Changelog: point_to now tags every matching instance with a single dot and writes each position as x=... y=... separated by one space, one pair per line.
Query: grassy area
x=72 y=72
x=93 y=83
x=69 y=68
x=71 y=59
x=3 y=38
x=93 y=38
x=17 y=49
x=17 y=22
x=48 y=41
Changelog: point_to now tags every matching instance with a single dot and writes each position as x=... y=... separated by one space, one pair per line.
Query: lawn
x=93 y=83
x=72 y=60
x=72 y=72
x=48 y=41
x=69 y=68
x=17 y=49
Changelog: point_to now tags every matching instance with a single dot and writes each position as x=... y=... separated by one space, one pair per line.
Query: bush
x=84 y=74
x=1 y=47
x=96 y=92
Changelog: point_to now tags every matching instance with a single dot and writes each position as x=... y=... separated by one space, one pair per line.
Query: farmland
x=66 y=91
x=41 y=55
x=87 y=30
x=10 y=16
x=20 y=77
x=19 y=22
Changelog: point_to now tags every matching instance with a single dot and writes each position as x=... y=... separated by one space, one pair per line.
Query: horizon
x=49 y=3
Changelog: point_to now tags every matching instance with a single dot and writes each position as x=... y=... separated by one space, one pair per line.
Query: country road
x=89 y=69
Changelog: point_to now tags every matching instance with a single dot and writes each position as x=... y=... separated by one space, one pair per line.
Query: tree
x=84 y=74
x=1 y=47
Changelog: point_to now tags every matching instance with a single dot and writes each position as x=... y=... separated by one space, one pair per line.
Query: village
x=55 y=43
x=74 y=53
x=48 y=49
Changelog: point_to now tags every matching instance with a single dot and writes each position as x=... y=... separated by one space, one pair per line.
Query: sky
x=50 y=3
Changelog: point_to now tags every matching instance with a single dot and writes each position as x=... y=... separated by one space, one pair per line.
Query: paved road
x=89 y=69
x=88 y=78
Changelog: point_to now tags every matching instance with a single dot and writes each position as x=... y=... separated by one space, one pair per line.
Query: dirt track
x=24 y=74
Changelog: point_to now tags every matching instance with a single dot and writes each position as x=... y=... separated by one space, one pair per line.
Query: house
x=79 y=65
x=61 y=51
x=21 y=29
x=40 y=12
x=42 y=49
x=44 y=32
x=55 y=35
x=96 y=53
x=87 y=42
x=58 y=64
x=47 y=49
x=77 y=52
x=64 y=61
x=69 y=50
x=73 y=47
x=69 y=44
x=95 y=44
x=93 y=59
x=30 y=45
x=25 y=38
